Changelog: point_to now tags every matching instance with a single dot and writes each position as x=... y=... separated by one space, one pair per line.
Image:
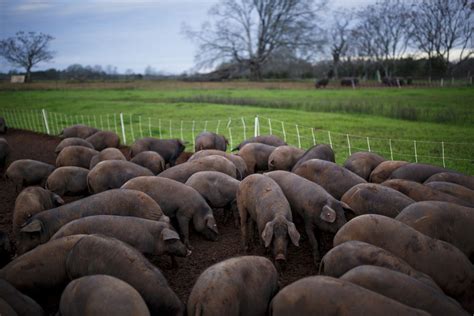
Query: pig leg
x=184 y=227
x=312 y=240
x=243 y=227
x=235 y=212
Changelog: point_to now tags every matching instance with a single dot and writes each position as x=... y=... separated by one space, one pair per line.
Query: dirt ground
x=29 y=145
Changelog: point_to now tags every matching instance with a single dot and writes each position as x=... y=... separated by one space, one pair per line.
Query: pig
x=6 y=309
x=446 y=264
x=106 y=154
x=78 y=130
x=77 y=156
x=150 y=160
x=417 y=172
x=284 y=158
x=354 y=253
x=40 y=227
x=362 y=163
x=26 y=172
x=41 y=269
x=101 y=295
x=323 y=295
x=95 y=254
x=218 y=189
x=4 y=152
x=68 y=181
x=112 y=174
x=3 y=125
x=104 y=139
x=169 y=149
x=335 y=179
x=457 y=190
x=236 y=160
x=31 y=201
x=210 y=140
x=461 y=179
x=404 y=289
x=444 y=221
x=20 y=303
x=185 y=170
x=420 y=192
x=147 y=236
x=321 y=151
x=260 y=200
x=6 y=252
x=73 y=141
x=236 y=286
x=372 y=198
x=179 y=201
x=270 y=140
x=317 y=207
x=256 y=156
x=383 y=171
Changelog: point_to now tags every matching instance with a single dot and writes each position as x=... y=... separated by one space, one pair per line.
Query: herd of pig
x=403 y=245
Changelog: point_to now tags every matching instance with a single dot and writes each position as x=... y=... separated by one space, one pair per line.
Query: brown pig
x=362 y=163
x=404 y=289
x=25 y=172
x=236 y=286
x=104 y=139
x=179 y=201
x=447 y=265
x=383 y=171
x=324 y=295
x=373 y=198
x=147 y=236
x=271 y=140
x=78 y=130
x=68 y=181
x=317 y=207
x=256 y=156
x=96 y=254
x=183 y=171
x=320 y=151
x=260 y=200
x=150 y=160
x=418 y=172
x=420 y=192
x=72 y=141
x=30 y=202
x=112 y=174
x=354 y=253
x=98 y=295
x=335 y=179
x=78 y=156
x=107 y=154
x=461 y=179
x=444 y=221
x=284 y=158
x=20 y=303
x=169 y=149
x=457 y=190
x=39 y=228
x=4 y=152
x=236 y=160
x=210 y=140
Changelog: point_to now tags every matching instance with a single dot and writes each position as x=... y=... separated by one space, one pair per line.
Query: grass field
x=388 y=116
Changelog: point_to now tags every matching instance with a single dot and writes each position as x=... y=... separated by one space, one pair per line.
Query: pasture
x=384 y=120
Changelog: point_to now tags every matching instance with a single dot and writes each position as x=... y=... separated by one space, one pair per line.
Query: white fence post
x=298 y=135
x=83 y=122
x=171 y=130
x=230 y=139
x=193 y=134
x=131 y=128
x=416 y=155
x=391 y=151
x=149 y=127
x=442 y=153
x=330 y=140
x=283 y=130
x=257 y=127
x=159 y=127
x=245 y=127
x=270 y=126
x=115 y=123
x=95 y=122
x=123 y=129
x=181 y=130
x=205 y=126
x=349 y=144
x=140 y=125
x=314 y=137
x=368 y=144
x=218 y=125
x=45 y=118
x=441 y=83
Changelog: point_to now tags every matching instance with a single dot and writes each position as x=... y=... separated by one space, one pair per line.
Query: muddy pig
x=169 y=149
x=27 y=172
x=383 y=171
x=317 y=207
x=106 y=154
x=68 y=181
x=78 y=130
x=321 y=151
x=461 y=179
x=457 y=190
x=260 y=200
x=73 y=141
x=362 y=163
x=256 y=156
x=179 y=201
x=77 y=156
x=418 y=172
x=104 y=139
x=236 y=286
x=150 y=160
x=210 y=140
x=284 y=158
x=236 y=160
x=271 y=140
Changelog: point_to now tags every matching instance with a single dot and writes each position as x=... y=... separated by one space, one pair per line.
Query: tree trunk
x=28 y=74
x=255 y=71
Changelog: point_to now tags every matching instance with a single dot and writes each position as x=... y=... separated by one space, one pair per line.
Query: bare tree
x=383 y=32
x=26 y=49
x=340 y=35
x=439 y=26
x=248 y=32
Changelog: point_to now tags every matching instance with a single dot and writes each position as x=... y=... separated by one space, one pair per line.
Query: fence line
x=236 y=130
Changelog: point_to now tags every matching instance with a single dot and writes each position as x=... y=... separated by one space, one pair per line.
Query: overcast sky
x=129 y=34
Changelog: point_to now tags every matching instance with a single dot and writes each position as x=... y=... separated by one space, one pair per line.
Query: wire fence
x=130 y=127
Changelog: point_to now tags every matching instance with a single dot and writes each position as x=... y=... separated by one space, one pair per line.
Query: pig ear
x=32 y=227
x=294 y=235
x=58 y=199
x=267 y=234
x=168 y=234
x=211 y=224
x=328 y=214
x=346 y=206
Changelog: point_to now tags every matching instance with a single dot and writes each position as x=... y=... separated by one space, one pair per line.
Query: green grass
x=429 y=116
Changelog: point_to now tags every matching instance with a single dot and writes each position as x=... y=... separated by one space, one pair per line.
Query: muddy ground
x=29 y=145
